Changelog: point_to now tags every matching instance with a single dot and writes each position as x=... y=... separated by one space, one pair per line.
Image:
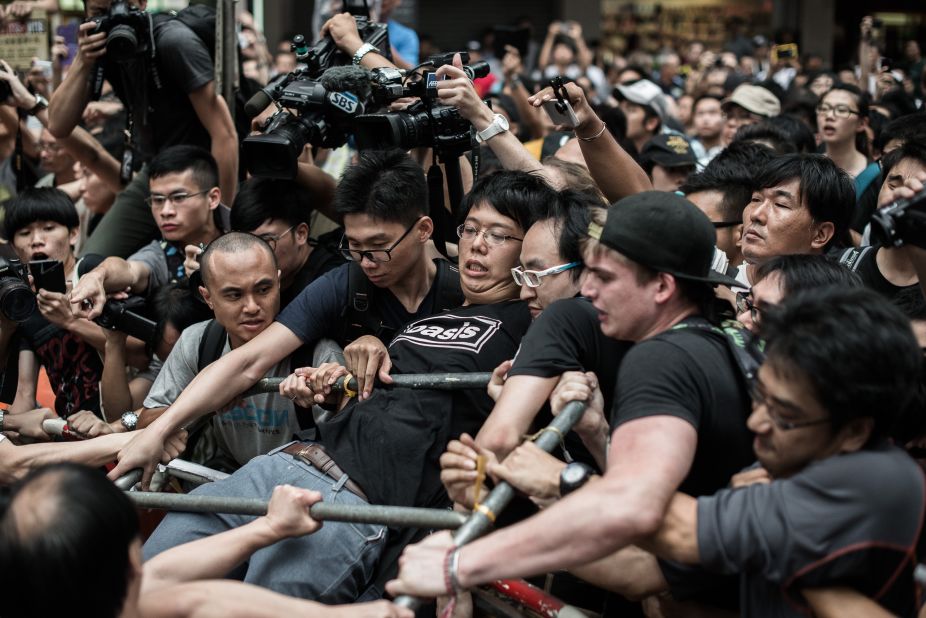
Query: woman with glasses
x=842 y=116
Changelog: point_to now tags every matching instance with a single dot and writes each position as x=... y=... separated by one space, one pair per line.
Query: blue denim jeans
x=334 y=565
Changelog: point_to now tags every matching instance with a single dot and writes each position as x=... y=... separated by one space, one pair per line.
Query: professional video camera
x=900 y=223
x=17 y=301
x=424 y=123
x=325 y=110
x=128 y=29
x=122 y=315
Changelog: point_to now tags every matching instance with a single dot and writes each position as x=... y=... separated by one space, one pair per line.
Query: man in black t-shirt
x=389 y=443
x=679 y=420
x=171 y=99
x=888 y=270
x=279 y=211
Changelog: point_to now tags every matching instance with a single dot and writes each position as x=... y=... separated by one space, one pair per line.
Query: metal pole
x=480 y=521
x=436 y=381
x=129 y=479
x=394 y=516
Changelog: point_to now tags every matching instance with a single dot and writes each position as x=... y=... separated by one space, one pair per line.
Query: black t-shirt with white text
x=390 y=444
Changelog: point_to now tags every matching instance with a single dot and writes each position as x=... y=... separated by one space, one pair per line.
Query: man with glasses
x=280 y=212
x=184 y=198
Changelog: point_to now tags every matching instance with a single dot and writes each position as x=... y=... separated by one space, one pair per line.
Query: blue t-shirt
x=318 y=311
x=404 y=40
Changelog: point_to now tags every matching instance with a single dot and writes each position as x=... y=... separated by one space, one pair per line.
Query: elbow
x=58 y=128
x=631 y=520
x=501 y=441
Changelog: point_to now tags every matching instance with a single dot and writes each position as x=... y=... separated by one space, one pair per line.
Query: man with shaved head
x=241 y=284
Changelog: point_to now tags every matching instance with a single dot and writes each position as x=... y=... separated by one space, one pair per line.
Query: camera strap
x=443 y=221
x=19 y=161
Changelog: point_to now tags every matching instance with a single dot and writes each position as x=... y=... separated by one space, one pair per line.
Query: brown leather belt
x=315 y=456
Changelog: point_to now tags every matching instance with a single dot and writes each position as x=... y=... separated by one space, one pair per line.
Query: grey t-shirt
x=850 y=520
x=246 y=427
x=152 y=256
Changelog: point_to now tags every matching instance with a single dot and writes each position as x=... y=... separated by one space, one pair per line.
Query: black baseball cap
x=669 y=151
x=664 y=232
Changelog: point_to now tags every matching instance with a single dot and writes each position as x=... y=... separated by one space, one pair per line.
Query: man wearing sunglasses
x=185 y=196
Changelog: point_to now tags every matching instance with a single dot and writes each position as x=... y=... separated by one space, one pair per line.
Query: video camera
x=325 y=109
x=128 y=31
x=900 y=223
x=17 y=301
x=122 y=315
x=424 y=123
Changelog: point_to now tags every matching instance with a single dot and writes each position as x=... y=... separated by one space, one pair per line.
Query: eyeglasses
x=771 y=405
x=722 y=224
x=840 y=111
x=271 y=240
x=533 y=278
x=469 y=232
x=374 y=255
x=745 y=303
x=156 y=200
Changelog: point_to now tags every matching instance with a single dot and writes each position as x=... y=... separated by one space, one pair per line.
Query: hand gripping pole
x=436 y=381
x=480 y=521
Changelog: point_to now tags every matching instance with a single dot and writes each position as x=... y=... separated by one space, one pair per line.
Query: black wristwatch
x=40 y=104
x=573 y=476
x=129 y=420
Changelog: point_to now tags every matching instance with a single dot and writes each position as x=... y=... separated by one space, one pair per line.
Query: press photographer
x=162 y=71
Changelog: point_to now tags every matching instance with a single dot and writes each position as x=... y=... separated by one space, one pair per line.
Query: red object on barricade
x=530 y=599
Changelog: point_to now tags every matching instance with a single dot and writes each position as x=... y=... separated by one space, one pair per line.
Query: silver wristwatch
x=499 y=125
x=129 y=420
x=362 y=51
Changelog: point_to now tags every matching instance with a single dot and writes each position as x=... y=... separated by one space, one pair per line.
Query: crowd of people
x=703 y=246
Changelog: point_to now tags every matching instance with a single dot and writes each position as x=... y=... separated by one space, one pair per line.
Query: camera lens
x=121 y=43
x=275 y=153
x=17 y=302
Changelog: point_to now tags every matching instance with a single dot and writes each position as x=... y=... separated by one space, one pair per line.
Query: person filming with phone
x=42 y=226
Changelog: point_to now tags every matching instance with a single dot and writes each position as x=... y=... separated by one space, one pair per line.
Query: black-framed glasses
x=374 y=255
x=156 y=200
x=774 y=409
x=272 y=239
x=469 y=232
x=722 y=224
x=744 y=303
x=840 y=111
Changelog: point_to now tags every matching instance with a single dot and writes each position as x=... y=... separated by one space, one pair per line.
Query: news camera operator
x=169 y=92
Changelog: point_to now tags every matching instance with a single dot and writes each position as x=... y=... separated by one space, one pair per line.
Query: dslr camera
x=128 y=31
x=425 y=123
x=122 y=315
x=900 y=223
x=17 y=301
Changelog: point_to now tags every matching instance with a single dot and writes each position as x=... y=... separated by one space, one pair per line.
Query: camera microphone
x=355 y=80
x=264 y=97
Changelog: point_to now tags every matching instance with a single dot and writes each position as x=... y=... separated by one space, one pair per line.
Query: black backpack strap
x=211 y=344
x=302 y=358
x=449 y=294
x=852 y=257
x=746 y=349
x=360 y=314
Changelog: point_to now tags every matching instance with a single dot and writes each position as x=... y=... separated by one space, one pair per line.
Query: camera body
x=325 y=54
x=128 y=31
x=122 y=315
x=900 y=223
x=17 y=301
x=424 y=123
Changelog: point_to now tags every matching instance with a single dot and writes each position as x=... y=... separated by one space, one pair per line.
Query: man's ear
x=302 y=233
x=823 y=234
x=855 y=435
x=215 y=197
x=205 y=294
x=666 y=286
x=651 y=124
x=425 y=229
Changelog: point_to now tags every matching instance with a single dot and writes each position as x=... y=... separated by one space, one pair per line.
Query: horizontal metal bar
x=393 y=516
x=436 y=381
